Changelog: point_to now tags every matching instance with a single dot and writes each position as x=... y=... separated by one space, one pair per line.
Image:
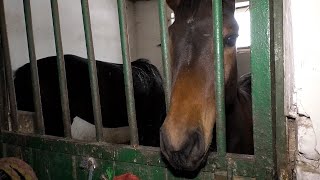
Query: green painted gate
x=64 y=158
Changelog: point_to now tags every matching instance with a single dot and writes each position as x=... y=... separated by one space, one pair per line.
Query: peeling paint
x=306 y=77
x=306 y=171
x=307 y=139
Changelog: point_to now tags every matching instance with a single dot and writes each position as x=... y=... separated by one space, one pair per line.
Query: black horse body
x=148 y=94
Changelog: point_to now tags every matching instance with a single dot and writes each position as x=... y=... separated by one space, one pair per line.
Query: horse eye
x=230 y=41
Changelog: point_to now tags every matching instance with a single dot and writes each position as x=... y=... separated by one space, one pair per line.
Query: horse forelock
x=191 y=4
x=188 y=7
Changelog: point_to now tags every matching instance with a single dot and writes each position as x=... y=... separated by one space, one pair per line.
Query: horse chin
x=191 y=166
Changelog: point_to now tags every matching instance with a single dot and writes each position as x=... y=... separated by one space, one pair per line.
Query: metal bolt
x=89 y=164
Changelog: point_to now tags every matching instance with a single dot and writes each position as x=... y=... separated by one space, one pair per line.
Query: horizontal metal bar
x=7 y=68
x=92 y=70
x=165 y=50
x=219 y=76
x=61 y=70
x=127 y=71
x=243 y=164
x=34 y=69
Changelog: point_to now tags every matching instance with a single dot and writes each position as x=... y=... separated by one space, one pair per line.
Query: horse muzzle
x=186 y=155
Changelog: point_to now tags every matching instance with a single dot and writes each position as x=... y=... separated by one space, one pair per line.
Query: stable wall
x=105 y=27
x=148 y=32
x=243 y=62
x=303 y=70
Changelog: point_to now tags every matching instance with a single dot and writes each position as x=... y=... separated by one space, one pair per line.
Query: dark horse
x=148 y=93
x=188 y=130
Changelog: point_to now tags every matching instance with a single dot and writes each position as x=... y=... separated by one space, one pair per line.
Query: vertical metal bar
x=281 y=122
x=92 y=70
x=61 y=70
x=165 y=51
x=262 y=88
x=127 y=71
x=219 y=76
x=4 y=107
x=3 y=93
x=7 y=68
x=34 y=68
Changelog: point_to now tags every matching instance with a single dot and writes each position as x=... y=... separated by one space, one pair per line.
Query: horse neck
x=231 y=87
x=242 y=98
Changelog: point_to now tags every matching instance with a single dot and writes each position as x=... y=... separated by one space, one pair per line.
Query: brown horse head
x=186 y=134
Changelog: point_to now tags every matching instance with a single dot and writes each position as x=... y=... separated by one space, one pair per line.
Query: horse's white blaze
x=82 y=130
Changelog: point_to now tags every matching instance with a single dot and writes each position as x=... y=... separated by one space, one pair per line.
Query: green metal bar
x=242 y=165
x=92 y=70
x=262 y=88
x=281 y=122
x=127 y=71
x=219 y=76
x=7 y=68
x=61 y=70
x=229 y=170
x=165 y=50
x=34 y=69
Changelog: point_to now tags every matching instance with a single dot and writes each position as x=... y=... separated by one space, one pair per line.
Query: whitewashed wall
x=104 y=20
x=148 y=32
x=306 y=61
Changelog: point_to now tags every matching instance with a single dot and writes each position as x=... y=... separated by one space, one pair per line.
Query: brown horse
x=188 y=130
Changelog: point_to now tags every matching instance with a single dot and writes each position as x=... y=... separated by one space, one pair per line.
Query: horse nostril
x=194 y=145
x=188 y=155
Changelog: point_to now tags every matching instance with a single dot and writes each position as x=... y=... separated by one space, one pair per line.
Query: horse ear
x=229 y=5
x=173 y=4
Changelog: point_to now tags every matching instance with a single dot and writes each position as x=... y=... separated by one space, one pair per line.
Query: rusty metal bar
x=92 y=70
x=127 y=71
x=7 y=68
x=61 y=70
x=3 y=93
x=165 y=50
x=219 y=77
x=34 y=69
